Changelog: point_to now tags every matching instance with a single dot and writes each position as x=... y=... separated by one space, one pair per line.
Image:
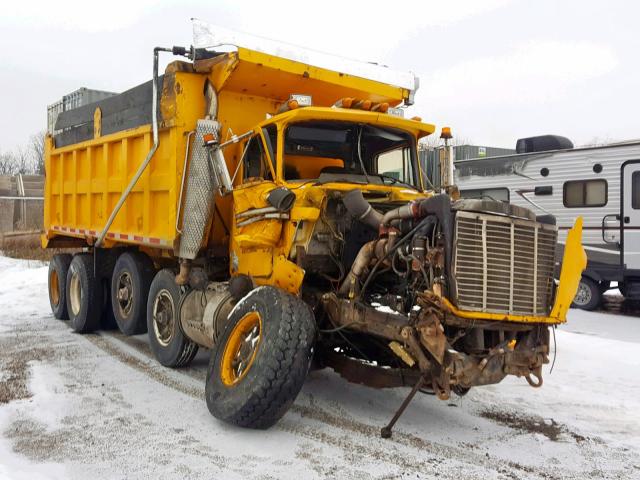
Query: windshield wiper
x=394 y=180
x=339 y=180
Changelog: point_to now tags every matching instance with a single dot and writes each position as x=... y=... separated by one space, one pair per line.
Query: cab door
x=255 y=232
x=630 y=214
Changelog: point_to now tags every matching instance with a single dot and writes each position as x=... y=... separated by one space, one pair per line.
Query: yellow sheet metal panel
x=574 y=263
x=85 y=181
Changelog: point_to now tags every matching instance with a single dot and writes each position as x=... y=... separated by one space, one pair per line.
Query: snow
x=100 y=406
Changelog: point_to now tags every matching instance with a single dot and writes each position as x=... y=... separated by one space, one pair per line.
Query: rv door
x=631 y=214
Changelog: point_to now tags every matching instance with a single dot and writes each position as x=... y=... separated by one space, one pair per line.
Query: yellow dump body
x=85 y=180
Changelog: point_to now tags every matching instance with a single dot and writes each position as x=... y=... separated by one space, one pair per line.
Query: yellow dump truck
x=275 y=212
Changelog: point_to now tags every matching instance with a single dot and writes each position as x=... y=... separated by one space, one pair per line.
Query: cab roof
x=417 y=128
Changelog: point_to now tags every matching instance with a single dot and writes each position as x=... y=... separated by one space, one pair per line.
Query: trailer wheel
x=58 y=268
x=130 y=282
x=588 y=296
x=261 y=361
x=84 y=294
x=170 y=346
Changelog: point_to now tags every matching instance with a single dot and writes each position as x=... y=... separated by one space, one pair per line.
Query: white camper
x=602 y=184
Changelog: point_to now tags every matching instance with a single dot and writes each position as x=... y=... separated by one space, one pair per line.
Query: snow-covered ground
x=99 y=406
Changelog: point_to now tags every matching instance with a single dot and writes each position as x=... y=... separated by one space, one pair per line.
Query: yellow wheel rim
x=241 y=349
x=54 y=287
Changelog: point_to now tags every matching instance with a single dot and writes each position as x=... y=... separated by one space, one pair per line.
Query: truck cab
x=316 y=154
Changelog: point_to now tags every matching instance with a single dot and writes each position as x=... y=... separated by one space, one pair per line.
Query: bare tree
x=36 y=147
x=598 y=142
x=25 y=159
x=6 y=164
x=434 y=141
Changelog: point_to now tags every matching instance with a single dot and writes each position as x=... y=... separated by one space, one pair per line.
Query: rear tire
x=170 y=346
x=588 y=296
x=262 y=359
x=84 y=294
x=58 y=268
x=130 y=283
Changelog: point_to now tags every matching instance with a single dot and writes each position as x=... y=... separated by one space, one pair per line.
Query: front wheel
x=261 y=361
x=588 y=296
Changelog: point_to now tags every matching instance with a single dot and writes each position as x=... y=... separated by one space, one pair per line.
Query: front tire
x=262 y=359
x=170 y=346
x=588 y=296
x=84 y=294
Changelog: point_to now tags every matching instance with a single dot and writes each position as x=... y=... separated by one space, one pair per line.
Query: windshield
x=342 y=151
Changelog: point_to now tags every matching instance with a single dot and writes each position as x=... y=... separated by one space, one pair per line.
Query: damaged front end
x=448 y=295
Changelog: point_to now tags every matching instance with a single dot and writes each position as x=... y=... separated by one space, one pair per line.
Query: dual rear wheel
x=130 y=295
x=95 y=296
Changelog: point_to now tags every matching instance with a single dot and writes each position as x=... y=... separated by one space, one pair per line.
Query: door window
x=255 y=161
x=396 y=164
x=585 y=193
x=635 y=190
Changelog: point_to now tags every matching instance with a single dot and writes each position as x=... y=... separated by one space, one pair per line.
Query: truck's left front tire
x=262 y=359
x=84 y=294
x=170 y=346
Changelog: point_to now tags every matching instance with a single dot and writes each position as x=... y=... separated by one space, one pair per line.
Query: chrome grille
x=504 y=264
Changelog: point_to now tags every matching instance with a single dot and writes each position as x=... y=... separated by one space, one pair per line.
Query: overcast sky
x=493 y=70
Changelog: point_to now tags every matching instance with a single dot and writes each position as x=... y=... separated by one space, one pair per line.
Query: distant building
x=431 y=167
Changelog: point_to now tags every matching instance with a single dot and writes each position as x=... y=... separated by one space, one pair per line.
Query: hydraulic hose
x=145 y=163
x=400 y=242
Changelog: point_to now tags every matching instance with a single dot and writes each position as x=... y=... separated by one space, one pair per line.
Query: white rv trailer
x=602 y=184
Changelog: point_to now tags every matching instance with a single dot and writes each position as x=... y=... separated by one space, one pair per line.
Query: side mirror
x=219 y=171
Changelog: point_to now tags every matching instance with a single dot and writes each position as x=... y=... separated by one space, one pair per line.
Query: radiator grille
x=504 y=264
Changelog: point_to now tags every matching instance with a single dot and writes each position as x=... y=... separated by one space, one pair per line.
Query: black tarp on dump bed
x=126 y=110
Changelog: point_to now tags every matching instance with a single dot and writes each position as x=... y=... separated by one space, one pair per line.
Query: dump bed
x=98 y=147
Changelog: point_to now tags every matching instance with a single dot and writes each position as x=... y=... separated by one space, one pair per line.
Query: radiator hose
x=438 y=205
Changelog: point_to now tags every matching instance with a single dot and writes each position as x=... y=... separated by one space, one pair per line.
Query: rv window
x=497 y=194
x=635 y=190
x=585 y=193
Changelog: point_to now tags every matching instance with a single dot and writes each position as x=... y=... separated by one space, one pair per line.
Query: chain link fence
x=21 y=203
